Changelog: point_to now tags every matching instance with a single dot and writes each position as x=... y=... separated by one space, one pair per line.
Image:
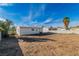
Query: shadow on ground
x=33 y=39
x=10 y=47
x=41 y=34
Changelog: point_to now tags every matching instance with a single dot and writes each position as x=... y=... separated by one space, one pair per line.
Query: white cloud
x=40 y=11
x=58 y=20
x=48 y=21
x=2 y=19
x=4 y=13
x=74 y=23
x=5 y=4
x=43 y=7
x=27 y=18
x=53 y=22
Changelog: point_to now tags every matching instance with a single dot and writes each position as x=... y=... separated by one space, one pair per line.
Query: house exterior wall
x=28 y=30
x=45 y=30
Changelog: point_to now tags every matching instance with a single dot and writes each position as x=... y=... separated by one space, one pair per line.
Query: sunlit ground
x=41 y=45
x=56 y=44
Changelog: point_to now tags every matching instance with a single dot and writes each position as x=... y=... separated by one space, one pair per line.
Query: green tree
x=12 y=30
x=5 y=25
x=66 y=22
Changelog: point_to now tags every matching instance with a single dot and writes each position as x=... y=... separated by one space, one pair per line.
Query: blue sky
x=32 y=14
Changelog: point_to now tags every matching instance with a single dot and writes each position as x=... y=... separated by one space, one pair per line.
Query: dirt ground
x=41 y=45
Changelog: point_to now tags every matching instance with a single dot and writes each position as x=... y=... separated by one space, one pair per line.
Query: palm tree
x=66 y=22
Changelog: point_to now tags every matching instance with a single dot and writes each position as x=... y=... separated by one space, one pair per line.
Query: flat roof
x=26 y=27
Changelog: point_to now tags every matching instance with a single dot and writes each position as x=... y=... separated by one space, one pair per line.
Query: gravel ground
x=56 y=45
x=44 y=45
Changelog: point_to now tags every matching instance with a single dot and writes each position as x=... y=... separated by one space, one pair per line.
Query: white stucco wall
x=27 y=30
x=45 y=29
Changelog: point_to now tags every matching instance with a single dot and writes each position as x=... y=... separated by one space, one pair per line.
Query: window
x=36 y=29
x=32 y=29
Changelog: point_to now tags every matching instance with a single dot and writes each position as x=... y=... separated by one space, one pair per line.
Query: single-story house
x=21 y=30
